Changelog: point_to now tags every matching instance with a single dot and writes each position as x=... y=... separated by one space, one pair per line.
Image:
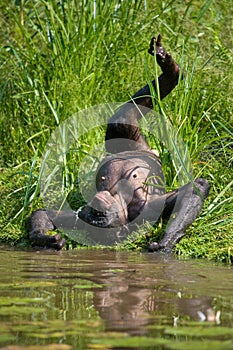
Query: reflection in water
x=74 y=297
x=156 y=287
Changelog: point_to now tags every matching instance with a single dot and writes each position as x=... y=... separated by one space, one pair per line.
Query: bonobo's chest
x=136 y=173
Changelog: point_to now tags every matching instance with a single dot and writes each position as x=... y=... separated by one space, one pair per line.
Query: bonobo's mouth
x=103 y=211
x=97 y=218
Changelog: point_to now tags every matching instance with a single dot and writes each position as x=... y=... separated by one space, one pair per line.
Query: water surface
x=92 y=299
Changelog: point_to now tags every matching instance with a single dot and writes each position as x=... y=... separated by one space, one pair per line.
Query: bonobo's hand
x=48 y=242
x=39 y=224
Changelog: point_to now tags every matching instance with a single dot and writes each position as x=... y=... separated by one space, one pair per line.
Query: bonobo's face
x=122 y=191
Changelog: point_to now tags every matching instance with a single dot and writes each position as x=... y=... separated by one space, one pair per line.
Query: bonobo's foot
x=157 y=45
x=164 y=59
x=188 y=204
x=39 y=224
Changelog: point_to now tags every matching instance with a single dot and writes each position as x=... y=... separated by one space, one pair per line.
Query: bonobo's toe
x=151 y=49
x=156 y=44
x=158 y=41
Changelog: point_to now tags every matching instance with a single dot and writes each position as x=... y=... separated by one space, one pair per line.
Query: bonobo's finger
x=153 y=247
x=54 y=239
x=159 y=39
x=58 y=245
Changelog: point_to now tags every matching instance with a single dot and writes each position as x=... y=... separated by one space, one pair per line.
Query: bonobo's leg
x=183 y=205
x=124 y=123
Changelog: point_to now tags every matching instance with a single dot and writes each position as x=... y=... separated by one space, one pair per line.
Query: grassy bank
x=58 y=58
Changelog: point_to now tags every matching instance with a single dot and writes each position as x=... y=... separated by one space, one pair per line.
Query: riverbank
x=58 y=59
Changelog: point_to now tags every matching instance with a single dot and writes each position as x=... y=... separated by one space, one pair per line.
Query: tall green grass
x=59 y=57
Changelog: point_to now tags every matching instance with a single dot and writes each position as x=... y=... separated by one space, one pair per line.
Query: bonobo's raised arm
x=124 y=124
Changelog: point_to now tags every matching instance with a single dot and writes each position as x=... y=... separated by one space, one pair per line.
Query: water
x=90 y=299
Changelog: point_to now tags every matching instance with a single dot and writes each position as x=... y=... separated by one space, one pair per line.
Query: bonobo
x=129 y=180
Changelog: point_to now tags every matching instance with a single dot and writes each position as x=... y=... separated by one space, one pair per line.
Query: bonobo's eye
x=103 y=178
x=134 y=176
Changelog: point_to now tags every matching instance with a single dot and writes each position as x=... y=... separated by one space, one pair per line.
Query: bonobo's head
x=124 y=183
